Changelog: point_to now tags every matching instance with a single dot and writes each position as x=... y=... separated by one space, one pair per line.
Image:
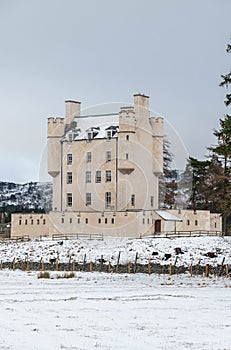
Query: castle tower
x=54 y=135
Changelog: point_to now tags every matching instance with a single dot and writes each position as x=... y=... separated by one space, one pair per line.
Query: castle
x=105 y=170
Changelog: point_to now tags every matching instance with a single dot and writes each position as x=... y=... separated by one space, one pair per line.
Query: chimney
x=72 y=110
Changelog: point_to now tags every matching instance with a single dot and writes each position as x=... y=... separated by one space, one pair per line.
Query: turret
x=127 y=121
x=54 y=135
x=157 y=148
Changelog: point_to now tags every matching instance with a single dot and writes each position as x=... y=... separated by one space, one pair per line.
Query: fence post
x=226 y=270
x=135 y=265
x=56 y=265
x=118 y=260
x=191 y=270
x=222 y=263
x=90 y=266
x=1 y=265
x=149 y=268
x=129 y=267
x=101 y=263
x=109 y=267
x=84 y=262
x=170 y=269
x=73 y=265
x=13 y=264
x=42 y=265
x=207 y=270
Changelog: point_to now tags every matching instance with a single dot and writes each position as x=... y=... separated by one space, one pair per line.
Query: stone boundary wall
x=193 y=270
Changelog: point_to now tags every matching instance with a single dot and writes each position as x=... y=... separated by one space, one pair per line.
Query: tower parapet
x=127 y=120
x=55 y=127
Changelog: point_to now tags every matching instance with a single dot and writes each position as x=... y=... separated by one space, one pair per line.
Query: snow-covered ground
x=114 y=311
x=193 y=249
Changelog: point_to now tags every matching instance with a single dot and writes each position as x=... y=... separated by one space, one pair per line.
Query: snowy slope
x=154 y=249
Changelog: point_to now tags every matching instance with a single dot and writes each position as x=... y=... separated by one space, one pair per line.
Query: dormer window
x=111 y=131
x=89 y=136
x=109 y=134
x=92 y=133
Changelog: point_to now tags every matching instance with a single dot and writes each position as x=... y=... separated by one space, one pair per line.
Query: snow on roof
x=167 y=216
x=98 y=124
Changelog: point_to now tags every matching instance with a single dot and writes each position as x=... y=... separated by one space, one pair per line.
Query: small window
x=143 y=221
x=88 y=176
x=215 y=224
x=99 y=221
x=86 y=220
x=78 y=220
x=89 y=136
x=196 y=222
x=69 y=178
x=148 y=221
x=98 y=176
x=151 y=201
x=127 y=137
x=62 y=220
x=133 y=200
x=188 y=222
x=109 y=134
x=88 y=157
x=69 y=199
x=108 y=200
x=26 y=222
x=108 y=156
x=108 y=175
x=105 y=221
x=112 y=220
x=32 y=222
x=69 y=159
x=88 y=198
x=20 y=222
x=37 y=221
x=44 y=221
x=126 y=156
x=70 y=220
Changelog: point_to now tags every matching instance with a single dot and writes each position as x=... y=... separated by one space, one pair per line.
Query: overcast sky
x=105 y=51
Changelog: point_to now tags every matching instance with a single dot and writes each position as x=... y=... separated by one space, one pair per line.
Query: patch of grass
x=44 y=274
x=66 y=275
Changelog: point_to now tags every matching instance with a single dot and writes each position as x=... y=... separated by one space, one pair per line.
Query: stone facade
x=105 y=170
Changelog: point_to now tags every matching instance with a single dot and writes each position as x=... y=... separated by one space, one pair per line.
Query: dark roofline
x=143 y=95
x=72 y=101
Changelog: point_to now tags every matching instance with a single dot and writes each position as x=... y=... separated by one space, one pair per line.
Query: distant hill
x=32 y=196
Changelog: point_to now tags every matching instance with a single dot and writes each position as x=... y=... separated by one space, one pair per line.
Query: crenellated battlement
x=127 y=120
x=55 y=127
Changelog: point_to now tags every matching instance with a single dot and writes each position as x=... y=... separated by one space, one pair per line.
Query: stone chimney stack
x=72 y=110
x=141 y=105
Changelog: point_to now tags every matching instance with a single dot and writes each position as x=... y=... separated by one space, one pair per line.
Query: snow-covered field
x=193 y=249
x=113 y=311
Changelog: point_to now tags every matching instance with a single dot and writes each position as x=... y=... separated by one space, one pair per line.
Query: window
x=32 y=222
x=133 y=200
x=78 y=221
x=62 y=220
x=86 y=220
x=98 y=176
x=69 y=178
x=70 y=220
x=26 y=222
x=109 y=134
x=20 y=222
x=89 y=136
x=99 y=221
x=105 y=220
x=88 y=176
x=88 y=157
x=37 y=221
x=69 y=199
x=44 y=221
x=88 y=198
x=196 y=222
x=69 y=159
x=108 y=156
x=148 y=221
x=127 y=137
x=143 y=221
x=126 y=156
x=108 y=200
x=112 y=220
x=108 y=175
x=215 y=224
x=187 y=222
x=151 y=201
